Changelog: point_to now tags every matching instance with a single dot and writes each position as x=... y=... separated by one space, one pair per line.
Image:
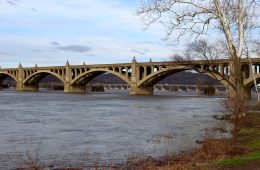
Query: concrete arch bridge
x=141 y=77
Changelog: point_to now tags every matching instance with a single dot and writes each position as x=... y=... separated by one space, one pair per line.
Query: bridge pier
x=74 y=89
x=1 y=84
x=135 y=77
x=134 y=90
x=68 y=87
x=20 y=85
x=24 y=87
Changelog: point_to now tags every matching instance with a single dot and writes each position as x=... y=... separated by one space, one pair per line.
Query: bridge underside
x=4 y=77
x=31 y=84
x=146 y=87
x=79 y=86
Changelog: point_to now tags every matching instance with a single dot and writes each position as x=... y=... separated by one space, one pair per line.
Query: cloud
x=11 y=3
x=55 y=43
x=37 y=50
x=146 y=42
x=141 y=52
x=91 y=55
x=75 y=48
x=53 y=51
x=6 y=54
x=34 y=9
x=75 y=27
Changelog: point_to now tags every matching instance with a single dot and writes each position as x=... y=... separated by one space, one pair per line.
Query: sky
x=50 y=32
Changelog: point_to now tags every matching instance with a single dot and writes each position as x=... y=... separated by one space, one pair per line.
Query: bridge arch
x=3 y=75
x=157 y=76
x=85 y=77
x=36 y=77
x=249 y=83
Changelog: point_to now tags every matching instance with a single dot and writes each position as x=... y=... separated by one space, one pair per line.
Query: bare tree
x=198 y=50
x=202 y=49
x=180 y=57
x=177 y=57
x=231 y=20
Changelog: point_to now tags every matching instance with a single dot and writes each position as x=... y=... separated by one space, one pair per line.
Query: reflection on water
x=107 y=126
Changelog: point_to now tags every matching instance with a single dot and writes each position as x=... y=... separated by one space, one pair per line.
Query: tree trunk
x=238 y=78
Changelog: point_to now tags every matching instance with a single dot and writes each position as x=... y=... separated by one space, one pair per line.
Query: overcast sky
x=49 y=32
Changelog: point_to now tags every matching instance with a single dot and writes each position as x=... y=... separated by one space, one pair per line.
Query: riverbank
x=216 y=154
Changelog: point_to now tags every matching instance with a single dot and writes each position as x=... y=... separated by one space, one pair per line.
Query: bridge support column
x=23 y=87
x=74 y=89
x=1 y=84
x=134 y=90
x=68 y=88
x=19 y=84
x=197 y=89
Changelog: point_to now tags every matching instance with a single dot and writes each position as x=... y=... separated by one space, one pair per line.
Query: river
x=74 y=129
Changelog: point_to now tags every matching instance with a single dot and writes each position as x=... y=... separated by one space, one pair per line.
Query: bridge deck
x=166 y=63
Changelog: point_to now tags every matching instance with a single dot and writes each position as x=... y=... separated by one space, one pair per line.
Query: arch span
x=249 y=83
x=145 y=83
x=36 y=77
x=155 y=77
x=84 y=78
x=3 y=75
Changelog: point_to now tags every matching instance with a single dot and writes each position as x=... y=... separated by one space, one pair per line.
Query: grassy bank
x=249 y=139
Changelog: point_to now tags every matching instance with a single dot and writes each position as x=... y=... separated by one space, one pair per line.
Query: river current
x=73 y=129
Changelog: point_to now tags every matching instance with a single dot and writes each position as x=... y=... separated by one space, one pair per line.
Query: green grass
x=254 y=144
x=240 y=160
x=246 y=131
x=249 y=137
